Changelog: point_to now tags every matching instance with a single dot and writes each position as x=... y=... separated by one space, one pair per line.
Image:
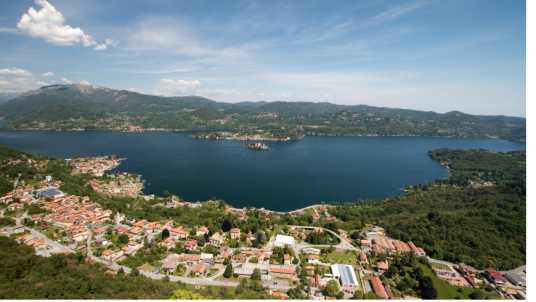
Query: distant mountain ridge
x=78 y=100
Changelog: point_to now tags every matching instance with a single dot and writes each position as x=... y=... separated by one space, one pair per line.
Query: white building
x=282 y=240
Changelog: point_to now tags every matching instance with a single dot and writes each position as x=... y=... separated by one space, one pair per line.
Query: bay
x=294 y=175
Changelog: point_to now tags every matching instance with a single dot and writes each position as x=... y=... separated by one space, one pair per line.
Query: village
x=362 y=264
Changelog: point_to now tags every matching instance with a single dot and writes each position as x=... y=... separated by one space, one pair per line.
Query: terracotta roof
x=281 y=270
x=378 y=287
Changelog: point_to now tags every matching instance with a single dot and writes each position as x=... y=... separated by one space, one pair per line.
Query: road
x=16 y=182
x=281 y=213
x=49 y=241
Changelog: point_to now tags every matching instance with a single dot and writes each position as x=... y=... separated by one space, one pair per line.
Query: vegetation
x=483 y=227
x=62 y=106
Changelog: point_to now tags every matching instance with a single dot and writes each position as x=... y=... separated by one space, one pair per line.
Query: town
x=290 y=260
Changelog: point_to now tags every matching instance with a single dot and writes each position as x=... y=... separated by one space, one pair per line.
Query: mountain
x=61 y=106
x=6 y=96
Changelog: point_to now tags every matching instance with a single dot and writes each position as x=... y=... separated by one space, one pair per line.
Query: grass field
x=310 y=211
x=222 y=278
x=147 y=267
x=349 y=258
x=446 y=291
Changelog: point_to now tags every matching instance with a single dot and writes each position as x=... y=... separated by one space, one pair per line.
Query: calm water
x=293 y=175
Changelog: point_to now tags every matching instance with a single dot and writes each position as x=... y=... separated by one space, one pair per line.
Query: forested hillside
x=114 y=110
x=483 y=227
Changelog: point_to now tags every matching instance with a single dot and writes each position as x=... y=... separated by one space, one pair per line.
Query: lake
x=294 y=175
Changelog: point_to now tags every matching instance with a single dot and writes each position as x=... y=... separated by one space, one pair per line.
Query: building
x=516 y=279
x=310 y=250
x=382 y=267
x=363 y=258
x=216 y=239
x=378 y=230
x=312 y=259
x=201 y=231
x=246 y=269
x=377 y=287
x=282 y=240
x=235 y=233
x=190 y=259
x=281 y=272
x=286 y=259
x=345 y=274
x=467 y=270
x=494 y=276
x=378 y=249
x=169 y=266
x=418 y=251
x=190 y=245
x=107 y=255
x=200 y=270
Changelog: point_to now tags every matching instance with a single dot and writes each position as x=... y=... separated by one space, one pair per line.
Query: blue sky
x=426 y=55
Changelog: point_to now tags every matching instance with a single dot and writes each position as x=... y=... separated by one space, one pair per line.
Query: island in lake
x=257 y=146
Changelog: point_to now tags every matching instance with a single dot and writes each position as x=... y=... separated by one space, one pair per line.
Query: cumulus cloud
x=16 y=71
x=67 y=81
x=19 y=84
x=169 y=86
x=84 y=82
x=47 y=23
x=100 y=47
x=47 y=74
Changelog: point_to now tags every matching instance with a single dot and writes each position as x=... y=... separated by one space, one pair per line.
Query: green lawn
x=345 y=258
x=310 y=211
x=434 y=264
x=446 y=291
x=222 y=278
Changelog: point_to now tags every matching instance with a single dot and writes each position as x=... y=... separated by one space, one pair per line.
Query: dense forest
x=483 y=227
x=61 y=106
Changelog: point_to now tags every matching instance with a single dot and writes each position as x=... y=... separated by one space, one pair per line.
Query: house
x=200 y=270
x=377 y=287
x=294 y=232
x=15 y=207
x=266 y=250
x=318 y=280
x=190 y=245
x=341 y=232
x=235 y=233
x=263 y=258
x=130 y=252
x=216 y=239
x=363 y=258
x=178 y=233
x=494 y=276
x=401 y=247
x=101 y=241
x=279 y=295
x=418 y=251
x=240 y=256
x=222 y=250
x=378 y=249
x=120 y=230
x=42 y=227
x=309 y=269
x=201 y=231
x=382 y=267
x=99 y=232
x=18 y=229
x=133 y=245
x=286 y=259
x=226 y=255
x=190 y=259
x=249 y=236
x=107 y=255
x=467 y=270
x=303 y=236
x=312 y=259
x=169 y=266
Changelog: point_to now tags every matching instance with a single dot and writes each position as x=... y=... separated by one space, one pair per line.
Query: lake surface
x=294 y=175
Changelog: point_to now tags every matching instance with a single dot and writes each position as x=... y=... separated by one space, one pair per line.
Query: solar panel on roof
x=52 y=193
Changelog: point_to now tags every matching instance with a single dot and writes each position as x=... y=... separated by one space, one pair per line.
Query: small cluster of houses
x=95 y=165
x=129 y=187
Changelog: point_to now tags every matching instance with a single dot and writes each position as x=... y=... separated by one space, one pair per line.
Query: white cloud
x=100 y=47
x=399 y=10
x=47 y=23
x=67 y=81
x=47 y=74
x=112 y=42
x=286 y=94
x=169 y=86
x=16 y=71
x=19 y=84
x=84 y=82
x=262 y=94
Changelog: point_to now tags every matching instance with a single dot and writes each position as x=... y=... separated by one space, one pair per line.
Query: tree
x=165 y=234
x=226 y=225
x=256 y=274
x=123 y=239
x=121 y=271
x=429 y=292
x=340 y=296
x=221 y=204
x=134 y=272
x=182 y=294
x=295 y=260
x=333 y=288
x=392 y=271
x=166 y=193
x=228 y=271
x=226 y=261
